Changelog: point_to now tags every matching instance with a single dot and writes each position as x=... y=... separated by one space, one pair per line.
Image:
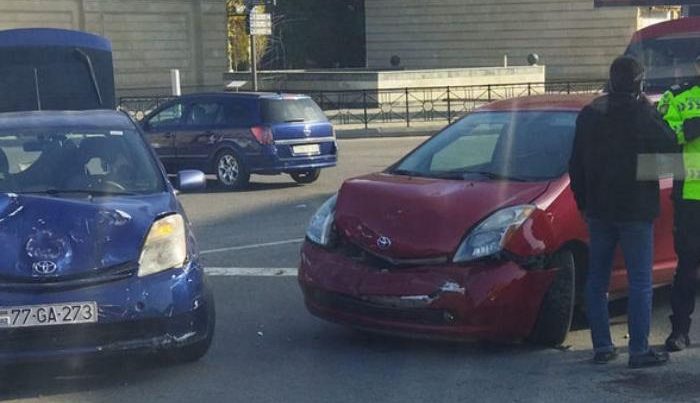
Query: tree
x=238 y=39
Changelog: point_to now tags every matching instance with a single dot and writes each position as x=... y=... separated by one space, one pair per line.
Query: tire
x=306 y=176
x=230 y=170
x=557 y=309
x=196 y=351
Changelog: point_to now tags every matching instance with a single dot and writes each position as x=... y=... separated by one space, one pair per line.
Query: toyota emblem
x=44 y=268
x=383 y=242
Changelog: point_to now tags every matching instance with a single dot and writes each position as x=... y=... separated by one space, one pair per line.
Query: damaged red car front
x=473 y=235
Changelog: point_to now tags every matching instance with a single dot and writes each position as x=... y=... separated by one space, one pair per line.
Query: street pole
x=254 y=62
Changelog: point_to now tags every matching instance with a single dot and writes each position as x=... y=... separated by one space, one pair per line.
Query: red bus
x=668 y=51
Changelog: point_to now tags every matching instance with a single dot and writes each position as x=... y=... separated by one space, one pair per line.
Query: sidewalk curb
x=379 y=132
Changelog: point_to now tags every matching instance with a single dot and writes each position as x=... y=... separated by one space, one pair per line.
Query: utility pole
x=254 y=62
x=257 y=24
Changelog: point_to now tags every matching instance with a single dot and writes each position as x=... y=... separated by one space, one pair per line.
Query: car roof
x=98 y=119
x=682 y=26
x=267 y=95
x=573 y=103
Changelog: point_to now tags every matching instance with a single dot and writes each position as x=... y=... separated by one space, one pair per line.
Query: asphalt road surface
x=267 y=348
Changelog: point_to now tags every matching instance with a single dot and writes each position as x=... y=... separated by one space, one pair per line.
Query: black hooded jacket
x=611 y=134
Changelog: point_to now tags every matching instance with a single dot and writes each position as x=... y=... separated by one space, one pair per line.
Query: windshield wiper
x=406 y=172
x=496 y=176
x=90 y=192
x=295 y=120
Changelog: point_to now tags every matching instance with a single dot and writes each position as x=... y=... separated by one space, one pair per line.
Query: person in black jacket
x=620 y=200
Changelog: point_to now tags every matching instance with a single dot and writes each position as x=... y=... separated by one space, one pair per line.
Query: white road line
x=253 y=246
x=251 y=271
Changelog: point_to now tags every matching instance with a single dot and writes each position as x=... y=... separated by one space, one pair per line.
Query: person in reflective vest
x=680 y=107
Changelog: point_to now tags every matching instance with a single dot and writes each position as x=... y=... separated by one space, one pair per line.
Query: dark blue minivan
x=234 y=135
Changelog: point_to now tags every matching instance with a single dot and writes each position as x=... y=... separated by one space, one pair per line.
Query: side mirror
x=190 y=181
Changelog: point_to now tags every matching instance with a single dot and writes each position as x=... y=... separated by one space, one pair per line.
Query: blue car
x=234 y=135
x=97 y=256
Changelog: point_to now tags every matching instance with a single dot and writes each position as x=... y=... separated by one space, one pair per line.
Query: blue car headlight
x=165 y=247
x=321 y=224
x=490 y=236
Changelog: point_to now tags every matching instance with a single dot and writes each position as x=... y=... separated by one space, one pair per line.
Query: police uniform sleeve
x=668 y=107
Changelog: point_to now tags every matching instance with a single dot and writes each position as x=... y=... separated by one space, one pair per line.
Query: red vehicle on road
x=668 y=51
x=473 y=235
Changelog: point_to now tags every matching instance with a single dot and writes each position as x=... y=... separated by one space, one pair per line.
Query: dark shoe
x=605 y=357
x=677 y=341
x=651 y=358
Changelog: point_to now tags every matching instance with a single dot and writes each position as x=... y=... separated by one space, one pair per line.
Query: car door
x=204 y=122
x=160 y=129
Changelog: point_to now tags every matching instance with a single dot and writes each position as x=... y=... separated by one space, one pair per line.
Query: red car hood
x=420 y=217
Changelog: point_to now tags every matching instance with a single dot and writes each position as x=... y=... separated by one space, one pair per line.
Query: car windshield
x=667 y=60
x=74 y=161
x=525 y=146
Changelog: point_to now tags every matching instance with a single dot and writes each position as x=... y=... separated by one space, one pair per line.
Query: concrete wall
x=149 y=37
x=342 y=80
x=574 y=40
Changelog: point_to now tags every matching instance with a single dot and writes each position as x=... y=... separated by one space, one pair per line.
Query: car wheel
x=196 y=351
x=230 y=170
x=557 y=309
x=306 y=176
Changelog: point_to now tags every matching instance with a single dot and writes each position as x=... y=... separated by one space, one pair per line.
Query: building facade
x=149 y=37
x=574 y=39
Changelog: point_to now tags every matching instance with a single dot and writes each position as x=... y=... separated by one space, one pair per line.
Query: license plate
x=48 y=315
x=306 y=149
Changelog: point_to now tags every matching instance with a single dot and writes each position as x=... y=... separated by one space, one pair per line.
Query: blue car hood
x=79 y=236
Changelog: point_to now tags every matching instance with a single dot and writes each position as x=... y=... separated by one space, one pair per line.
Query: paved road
x=268 y=349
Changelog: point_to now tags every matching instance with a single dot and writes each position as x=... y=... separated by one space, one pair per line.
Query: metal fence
x=404 y=106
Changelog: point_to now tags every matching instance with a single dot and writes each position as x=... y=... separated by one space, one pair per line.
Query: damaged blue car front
x=96 y=253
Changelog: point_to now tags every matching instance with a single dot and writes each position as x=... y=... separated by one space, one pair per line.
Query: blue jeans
x=636 y=239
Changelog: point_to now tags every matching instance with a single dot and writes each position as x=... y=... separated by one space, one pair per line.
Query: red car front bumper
x=497 y=301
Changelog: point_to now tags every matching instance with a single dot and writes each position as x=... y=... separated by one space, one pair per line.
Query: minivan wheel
x=230 y=170
x=306 y=176
x=557 y=309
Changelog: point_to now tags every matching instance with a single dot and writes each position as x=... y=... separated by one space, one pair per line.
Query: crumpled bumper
x=136 y=315
x=495 y=300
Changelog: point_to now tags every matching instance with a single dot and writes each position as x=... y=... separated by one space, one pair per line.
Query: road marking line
x=253 y=246
x=251 y=271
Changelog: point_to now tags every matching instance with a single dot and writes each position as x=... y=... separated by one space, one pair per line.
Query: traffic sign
x=259 y=24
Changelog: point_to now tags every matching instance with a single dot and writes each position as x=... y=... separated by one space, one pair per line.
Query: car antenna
x=88 y=61
x=36 y=89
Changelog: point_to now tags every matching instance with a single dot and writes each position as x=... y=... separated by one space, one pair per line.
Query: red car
x=473 y=235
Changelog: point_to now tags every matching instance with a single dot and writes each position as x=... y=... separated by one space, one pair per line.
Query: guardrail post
x=449 y=109
x=529 y=89
x=408 y=112
x=364 y=104
x=488 y=92
x=568 y=87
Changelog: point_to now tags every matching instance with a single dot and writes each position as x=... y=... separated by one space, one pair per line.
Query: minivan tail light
x=262 y=134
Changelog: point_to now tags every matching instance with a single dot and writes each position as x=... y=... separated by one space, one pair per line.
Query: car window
x=170 y=116
x=291 y=110
x=77 y=159
x=240 y=113
x=205 y=114
x=468 y=151
x=522 y=145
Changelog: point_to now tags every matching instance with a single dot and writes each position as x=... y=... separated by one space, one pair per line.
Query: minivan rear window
x=291 y=110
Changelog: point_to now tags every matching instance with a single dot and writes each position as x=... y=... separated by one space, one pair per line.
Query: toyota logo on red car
x=489 y=243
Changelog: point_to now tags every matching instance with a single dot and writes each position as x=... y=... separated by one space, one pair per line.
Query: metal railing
x=404 y=106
